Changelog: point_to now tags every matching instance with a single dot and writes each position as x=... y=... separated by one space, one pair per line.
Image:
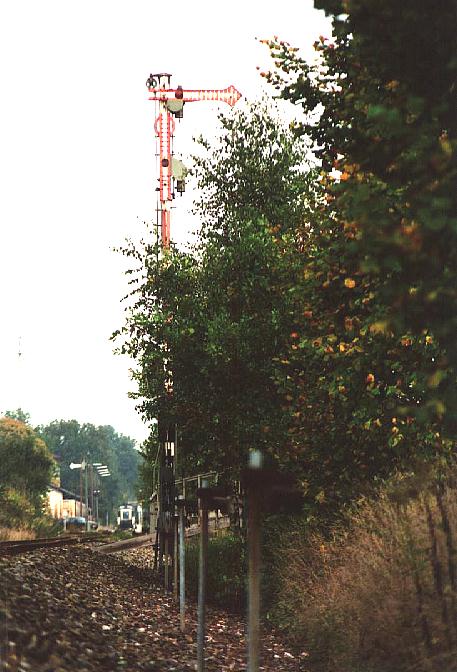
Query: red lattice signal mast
x=171 y=102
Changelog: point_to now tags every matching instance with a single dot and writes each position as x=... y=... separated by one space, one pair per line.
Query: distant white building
x=62 y=503
x=55 y=501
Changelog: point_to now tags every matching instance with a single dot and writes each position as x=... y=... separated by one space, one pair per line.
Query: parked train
x=130 y=517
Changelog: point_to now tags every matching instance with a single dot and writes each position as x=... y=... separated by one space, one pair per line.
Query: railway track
x=23 y=546
x=125 y=544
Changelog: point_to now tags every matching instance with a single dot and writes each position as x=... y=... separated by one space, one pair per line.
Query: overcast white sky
x=77 y=173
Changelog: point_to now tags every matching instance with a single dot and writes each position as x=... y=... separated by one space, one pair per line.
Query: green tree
x=255 y=170
x=71 y=441
x=272 y=334
x=383 y=113
x=214 y=319
x=147 y=470
x=18 y=414
x=372 y=370
x=26 y=469
x=303 y=362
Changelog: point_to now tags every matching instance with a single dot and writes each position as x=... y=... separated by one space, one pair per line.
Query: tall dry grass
x=380 y=596
x=8 y=534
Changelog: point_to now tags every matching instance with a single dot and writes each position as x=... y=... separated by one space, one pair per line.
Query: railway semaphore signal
x=171 y=103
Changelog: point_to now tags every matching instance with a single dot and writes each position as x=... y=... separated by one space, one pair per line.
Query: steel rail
x=16 y=547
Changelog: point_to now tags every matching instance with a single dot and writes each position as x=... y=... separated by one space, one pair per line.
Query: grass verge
x=381 y=595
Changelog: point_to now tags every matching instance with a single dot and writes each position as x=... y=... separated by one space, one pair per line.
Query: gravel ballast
x=73 y=609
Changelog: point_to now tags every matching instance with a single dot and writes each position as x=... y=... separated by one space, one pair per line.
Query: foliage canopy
x=315 y=316
x=26 y=469
x=71 y=441
x=382 y=113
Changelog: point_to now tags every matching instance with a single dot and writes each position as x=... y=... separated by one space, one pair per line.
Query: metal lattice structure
x=171 y=103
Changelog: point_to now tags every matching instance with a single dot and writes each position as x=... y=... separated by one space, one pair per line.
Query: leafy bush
x=21 y=519
x=26 y=465
x=226 y=571
x=46 y=526
x=16 y=510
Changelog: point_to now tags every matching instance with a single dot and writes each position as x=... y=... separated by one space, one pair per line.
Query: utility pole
x=96 y=494
x=102 y=472
x=91 y=490
x=85 y=466
x=96 y=507
x=80 y=492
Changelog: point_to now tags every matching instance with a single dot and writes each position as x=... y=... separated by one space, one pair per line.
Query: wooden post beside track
x=86 y=491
